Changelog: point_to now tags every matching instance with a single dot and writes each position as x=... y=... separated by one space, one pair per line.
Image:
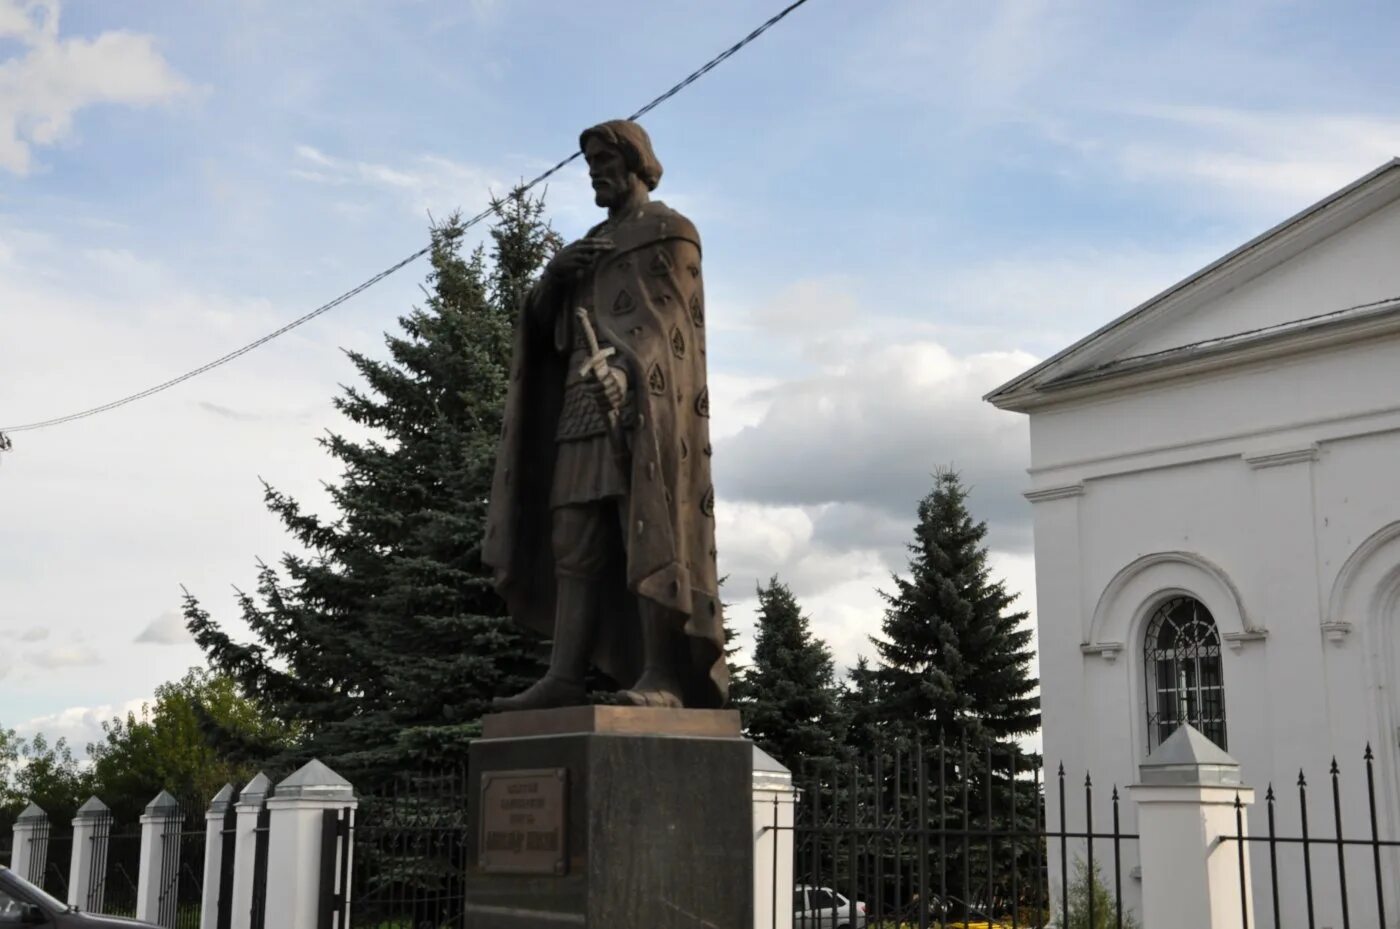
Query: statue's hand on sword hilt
x=611 y=379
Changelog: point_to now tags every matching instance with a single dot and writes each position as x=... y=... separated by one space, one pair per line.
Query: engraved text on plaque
x=523 y=822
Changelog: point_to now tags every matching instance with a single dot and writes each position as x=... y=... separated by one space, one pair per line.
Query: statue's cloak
x=648 y=302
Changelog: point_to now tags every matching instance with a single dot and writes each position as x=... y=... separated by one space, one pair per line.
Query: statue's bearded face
x=607 y=169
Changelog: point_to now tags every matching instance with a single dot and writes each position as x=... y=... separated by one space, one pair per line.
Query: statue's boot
x=663 y=642
x=562 y=685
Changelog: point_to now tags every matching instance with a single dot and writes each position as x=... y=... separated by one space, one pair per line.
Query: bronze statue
x=601 y=522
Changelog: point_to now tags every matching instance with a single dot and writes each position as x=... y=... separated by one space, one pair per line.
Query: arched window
x=1182 y=670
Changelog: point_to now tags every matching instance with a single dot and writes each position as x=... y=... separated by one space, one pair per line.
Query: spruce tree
x=955 y=668
x=791 y=700
x=955 y=659
x=383 y=646
x=860 y=705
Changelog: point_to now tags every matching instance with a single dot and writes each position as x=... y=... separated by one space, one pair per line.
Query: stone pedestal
x=611 y=816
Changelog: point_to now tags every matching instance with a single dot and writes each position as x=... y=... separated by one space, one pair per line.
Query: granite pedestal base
x=657 y=814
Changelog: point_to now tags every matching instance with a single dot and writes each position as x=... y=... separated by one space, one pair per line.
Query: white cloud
x=872 y=431
x=117 y=511
x=66 y=656
x=166 y=629
x=1262 y=159
x=79 y=725
x=427 y=184
x=43 y=88
x=819 y=483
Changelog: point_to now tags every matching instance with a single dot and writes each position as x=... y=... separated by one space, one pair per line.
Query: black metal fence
x=262 y=835
x=181 y=832
x=410 y=838
x=951 y=837
x=1344 y=878
x=118 y=871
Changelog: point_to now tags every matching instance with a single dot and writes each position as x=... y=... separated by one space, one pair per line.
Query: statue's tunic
x=647 y=301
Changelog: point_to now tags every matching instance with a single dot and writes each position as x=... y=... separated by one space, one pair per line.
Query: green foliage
x=164 y=748
x=1087 y=886
x=35 y=770
x=386 y=642
x=789 y=696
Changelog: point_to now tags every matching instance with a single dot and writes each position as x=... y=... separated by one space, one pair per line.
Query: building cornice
x=1042 y=494
x=1280 y=457
x=1255 y=257
x=1374 y=321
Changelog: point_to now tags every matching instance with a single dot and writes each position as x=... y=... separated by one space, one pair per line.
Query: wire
x=691 y=78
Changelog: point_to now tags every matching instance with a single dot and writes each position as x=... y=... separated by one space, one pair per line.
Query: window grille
x=1182 y=672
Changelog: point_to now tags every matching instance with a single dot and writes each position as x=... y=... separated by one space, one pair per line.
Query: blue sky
x=903 y=204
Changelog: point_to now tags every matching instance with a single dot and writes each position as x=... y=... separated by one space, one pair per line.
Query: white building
x=1216 y=487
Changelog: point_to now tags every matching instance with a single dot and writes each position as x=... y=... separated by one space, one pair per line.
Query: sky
x=904 y=203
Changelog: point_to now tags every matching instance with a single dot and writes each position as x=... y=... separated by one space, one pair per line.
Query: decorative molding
x=1336 y=632
x=1055 y=493
x=1345 y=586
x=1288 y=456
x=1237 y=640
x=1108 y=651
x=1149 y=577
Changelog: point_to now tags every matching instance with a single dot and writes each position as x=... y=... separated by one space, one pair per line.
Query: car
x=952 y=913
x=824 y=908
x=23 y=904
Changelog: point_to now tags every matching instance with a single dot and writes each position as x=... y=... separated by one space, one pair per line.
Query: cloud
x=34 y=634
x=1255 y=157
x=819 y=478
x=66 y=656
x=43 y=88
x=166 y=629
x=428 y=183
x=79 y=725
x=871 y=432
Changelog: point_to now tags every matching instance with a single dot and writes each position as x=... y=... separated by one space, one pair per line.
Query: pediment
x=1334 y=264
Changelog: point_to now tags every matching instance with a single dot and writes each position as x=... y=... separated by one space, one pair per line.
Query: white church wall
x=1223 y=470
x=1257 y=408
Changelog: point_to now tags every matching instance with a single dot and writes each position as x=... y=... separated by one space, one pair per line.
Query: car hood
x=96 y=921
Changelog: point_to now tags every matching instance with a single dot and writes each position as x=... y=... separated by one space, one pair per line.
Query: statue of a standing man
x=601 y=524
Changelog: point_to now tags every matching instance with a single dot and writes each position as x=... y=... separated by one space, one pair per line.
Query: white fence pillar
x=774 y=805
x=247 y=810
x=92 y=827
x=28 y=856
x=1186 y=823
x=154 y=877
x=295 y=856
x=214 y=856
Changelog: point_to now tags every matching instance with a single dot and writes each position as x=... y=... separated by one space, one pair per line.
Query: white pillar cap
x=1189 y=759
x=315 y=781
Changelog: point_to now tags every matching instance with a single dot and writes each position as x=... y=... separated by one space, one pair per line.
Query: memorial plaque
x=523 y=822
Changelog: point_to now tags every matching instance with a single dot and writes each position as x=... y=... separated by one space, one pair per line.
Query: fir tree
x=860 y=703
x=385 y=643
x=791 y=701
x=955 y=660
x=955 y=668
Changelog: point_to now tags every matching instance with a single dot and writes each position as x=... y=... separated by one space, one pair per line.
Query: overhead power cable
x=479 y=217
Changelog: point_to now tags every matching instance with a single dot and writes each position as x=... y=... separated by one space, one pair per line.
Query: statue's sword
x=597 y=365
